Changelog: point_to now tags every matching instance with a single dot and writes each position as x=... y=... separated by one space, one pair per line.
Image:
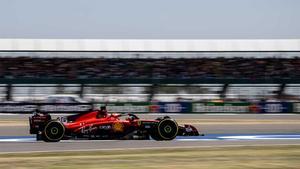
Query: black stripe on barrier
x=161 y=107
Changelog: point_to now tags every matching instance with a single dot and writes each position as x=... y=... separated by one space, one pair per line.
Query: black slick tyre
x=54 y=131
x=166 y=129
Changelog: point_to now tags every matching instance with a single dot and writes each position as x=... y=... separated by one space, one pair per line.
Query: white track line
x=152 y=148
x=287 y=114
x=226 y=137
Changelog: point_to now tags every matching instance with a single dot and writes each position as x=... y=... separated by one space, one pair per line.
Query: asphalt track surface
x=220 y=130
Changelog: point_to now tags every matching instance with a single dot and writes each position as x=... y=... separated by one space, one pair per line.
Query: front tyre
x=166 y=129
x=54 y=131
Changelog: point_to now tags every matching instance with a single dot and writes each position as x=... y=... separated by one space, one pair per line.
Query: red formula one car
x=99 y=125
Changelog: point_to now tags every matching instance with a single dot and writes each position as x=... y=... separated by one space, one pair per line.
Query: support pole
x=8 y=92
x=152 y=91
x=281 y=89
x=223 y=91
x=81 y=91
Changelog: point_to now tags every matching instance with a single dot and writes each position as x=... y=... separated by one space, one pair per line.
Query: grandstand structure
x=174 y=57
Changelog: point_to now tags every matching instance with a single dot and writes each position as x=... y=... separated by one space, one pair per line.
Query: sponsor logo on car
x=118 y=127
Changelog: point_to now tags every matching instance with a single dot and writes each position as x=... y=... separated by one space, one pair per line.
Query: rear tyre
x=54 y=131
x=166 y=129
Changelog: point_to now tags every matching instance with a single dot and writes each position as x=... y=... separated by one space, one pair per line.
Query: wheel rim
x=167 y=129
x=54 y=130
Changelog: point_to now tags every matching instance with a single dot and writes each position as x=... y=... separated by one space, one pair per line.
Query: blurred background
x=149 y=76
x=149 y=70
x=230 y=68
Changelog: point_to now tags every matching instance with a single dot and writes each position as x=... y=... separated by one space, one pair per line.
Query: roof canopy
x=128 y=45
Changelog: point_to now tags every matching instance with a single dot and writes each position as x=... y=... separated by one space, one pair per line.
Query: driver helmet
x=103 y=108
